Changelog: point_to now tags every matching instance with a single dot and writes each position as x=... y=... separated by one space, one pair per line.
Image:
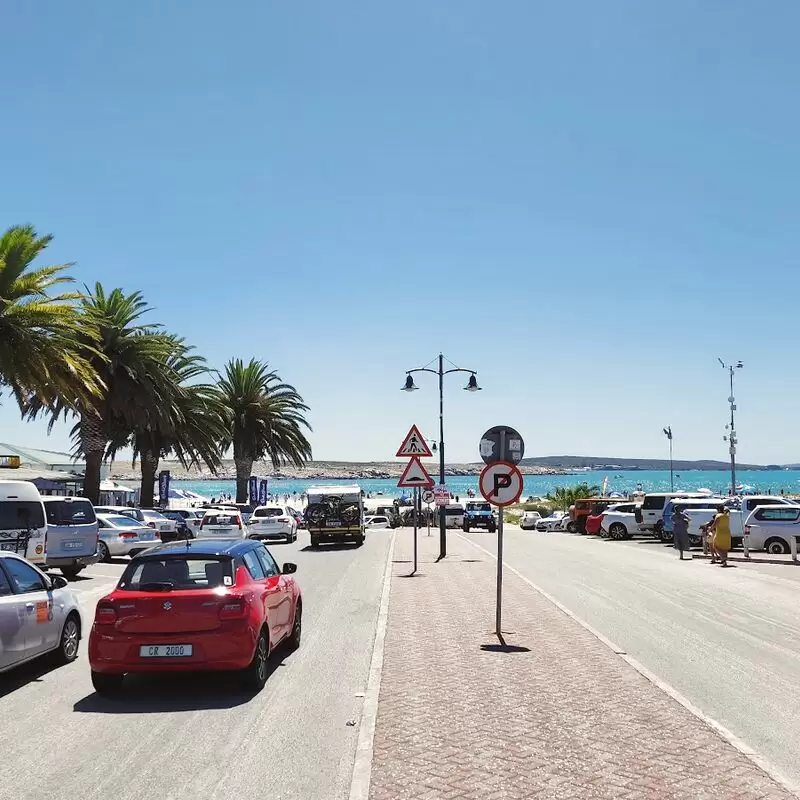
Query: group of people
x=717 y=535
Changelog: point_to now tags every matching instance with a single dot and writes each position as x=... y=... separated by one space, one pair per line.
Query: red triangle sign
x=414 y=445
x=415 y=475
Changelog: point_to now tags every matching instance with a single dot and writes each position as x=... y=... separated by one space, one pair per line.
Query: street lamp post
x=472 y=386
x=731 y=437
x=668 y=434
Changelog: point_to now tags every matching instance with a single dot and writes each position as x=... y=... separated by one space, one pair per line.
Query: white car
x=772 y=528
x=218 y=524
x=551 y=523
x=146 y=516
x=619 y=521
x=529 y=519
x=377 y=522
x=38 y=614
x=119 y=535
x=272 y=522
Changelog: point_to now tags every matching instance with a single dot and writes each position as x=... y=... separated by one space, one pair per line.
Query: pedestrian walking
x=721 y=526
x=680 y=530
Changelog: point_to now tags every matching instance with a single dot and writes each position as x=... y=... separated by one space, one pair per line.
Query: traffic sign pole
x=498 y=616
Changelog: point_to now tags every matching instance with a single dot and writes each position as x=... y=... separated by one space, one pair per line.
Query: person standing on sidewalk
x=721 y=526
x=680 y=530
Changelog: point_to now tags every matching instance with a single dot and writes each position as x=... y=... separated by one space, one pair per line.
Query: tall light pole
x=668 y=434
x=731 y=437
x=472 y=386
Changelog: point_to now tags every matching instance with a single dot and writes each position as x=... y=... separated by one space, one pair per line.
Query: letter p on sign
x=501 y=483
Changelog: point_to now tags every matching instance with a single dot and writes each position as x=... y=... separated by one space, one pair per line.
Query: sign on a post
x=501 y=443
x=501 y=483
x=442 y=495
x=415 y=475
x=414 y=445
x=428 y=496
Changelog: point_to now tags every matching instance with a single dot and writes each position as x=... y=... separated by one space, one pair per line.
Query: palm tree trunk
x=244 y=467
x=149 y=467
x=93 y=445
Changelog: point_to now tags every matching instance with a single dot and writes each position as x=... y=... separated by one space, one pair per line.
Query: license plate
x=10 y=546
x=165 y=650
x=147 y=537
x=334 y=523
x=72 y=545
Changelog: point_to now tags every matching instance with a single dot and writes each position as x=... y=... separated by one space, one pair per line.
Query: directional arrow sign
x=414 y=475
x=414 y=446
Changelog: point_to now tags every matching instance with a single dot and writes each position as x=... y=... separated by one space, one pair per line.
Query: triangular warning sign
x=414 y=445
x=415 y=475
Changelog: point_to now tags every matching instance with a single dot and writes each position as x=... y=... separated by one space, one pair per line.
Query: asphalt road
x=200 y=736
x=727 y=639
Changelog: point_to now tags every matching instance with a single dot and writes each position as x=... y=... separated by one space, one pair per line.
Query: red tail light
x=106 y=614
x=284 y=519
x=233 y=608
x=127 y=536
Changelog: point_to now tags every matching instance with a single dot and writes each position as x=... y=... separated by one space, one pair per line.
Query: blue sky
x=586 y=202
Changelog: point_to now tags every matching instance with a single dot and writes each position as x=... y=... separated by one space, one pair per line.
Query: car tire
x=254 y=676
x=70 y=573
x=359 y=541
x=102 y=549
x=776 y=546
x=492 y=528
x=70 y=639
x=618 y=532
x=314 y=540
x=571 y=527
x=465 y=528
x=665 y=536
x=105 y=684
x=289 y=538
x=297 y=627
x=603 y=533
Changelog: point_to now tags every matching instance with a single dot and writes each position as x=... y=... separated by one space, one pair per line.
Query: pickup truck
x=335 y=514
x=479 y=515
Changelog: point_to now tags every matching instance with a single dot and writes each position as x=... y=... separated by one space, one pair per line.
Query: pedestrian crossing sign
x=414 y=445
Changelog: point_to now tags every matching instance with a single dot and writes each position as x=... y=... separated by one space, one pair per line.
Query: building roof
x=33 y=474
x=32 y=457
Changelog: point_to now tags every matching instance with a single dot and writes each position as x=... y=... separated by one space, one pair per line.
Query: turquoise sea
x=623 y=482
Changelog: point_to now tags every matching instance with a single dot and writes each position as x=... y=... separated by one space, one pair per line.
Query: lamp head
x=472 y=384
x=409 y=387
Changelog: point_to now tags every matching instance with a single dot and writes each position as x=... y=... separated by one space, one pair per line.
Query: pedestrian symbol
x=414 y=445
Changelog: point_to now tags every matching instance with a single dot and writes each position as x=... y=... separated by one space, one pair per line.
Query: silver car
x=119 y=535
x=38 y=614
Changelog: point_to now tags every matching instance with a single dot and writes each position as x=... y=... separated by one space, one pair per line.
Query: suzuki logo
x=167 y=605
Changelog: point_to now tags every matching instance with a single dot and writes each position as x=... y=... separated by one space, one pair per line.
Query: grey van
x=72 y=532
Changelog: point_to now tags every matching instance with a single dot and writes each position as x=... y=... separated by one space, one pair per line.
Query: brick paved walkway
x=568 y=719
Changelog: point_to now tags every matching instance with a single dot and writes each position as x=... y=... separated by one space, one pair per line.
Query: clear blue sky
x=586 y=202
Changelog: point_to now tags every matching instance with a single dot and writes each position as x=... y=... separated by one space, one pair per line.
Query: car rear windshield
x=653 y=501
x=177 y=572
x=121 y=521
x=453 y=512
x=69 y=512
x=479 y=507
x=268 y=512
x=20 y=514
x=220 y=519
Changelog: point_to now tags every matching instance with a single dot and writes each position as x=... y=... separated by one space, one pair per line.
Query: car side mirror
x=289 y=568
x=58 y=582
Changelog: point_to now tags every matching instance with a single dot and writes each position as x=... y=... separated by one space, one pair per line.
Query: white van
x=650 y=515
x=454 y=515
x=23 y=525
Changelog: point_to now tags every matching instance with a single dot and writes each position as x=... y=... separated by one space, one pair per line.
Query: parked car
x=208 y=605
x=551 y=523
x=650 y=515
x=619 y=521
x=221 y=524
x=167 y=528
x=23 y=526
x=186 y=519
x=244 y=509
x=529 y=519
x=377 y=522
x=585 y=507
x=38 y=614
x=120 y=535
x=479 y=514
x=272 y=521
x=771 y=528
x=72 y=533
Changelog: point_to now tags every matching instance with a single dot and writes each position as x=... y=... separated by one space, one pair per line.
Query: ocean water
x=623 y=482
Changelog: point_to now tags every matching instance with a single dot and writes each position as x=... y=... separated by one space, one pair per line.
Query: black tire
x=315 y=514
x=314 y=540
x=289 y=539
x=776 y=546
x=70 y=639
x=618 y=532
x=571 y=527
x=465 y=527
x=603 y=533
x=254 y=676
x=70 y=573
x=665 y=536
x=102 y=549
x=492 y=528
x=359 y=541
x=293 y=642
x=106 y=685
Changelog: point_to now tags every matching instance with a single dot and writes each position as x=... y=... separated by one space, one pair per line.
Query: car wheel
x=466 y=528
x=70 y=637
x=102 y=549
x=70 y=573
x=289 y=538
x=359 y=541
x=314 y=541
x=603 y=533
x=665 y=536
x=776 y=546
x=618 y=531
x=571 y=527
x=297 y=628
x=105 y=684
x=255 y=676
x=492 y=528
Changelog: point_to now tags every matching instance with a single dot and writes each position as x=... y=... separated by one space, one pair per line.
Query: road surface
x=188 y=737
x=727 y=639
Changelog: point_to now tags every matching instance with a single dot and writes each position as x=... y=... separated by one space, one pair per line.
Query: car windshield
x=21 y=514
x=121 y=521
x=479 y=507
x=69 y=512
x=184 y=572
x=268 y=512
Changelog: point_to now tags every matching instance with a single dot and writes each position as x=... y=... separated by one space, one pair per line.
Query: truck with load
x=479 y=515
x=335 y=514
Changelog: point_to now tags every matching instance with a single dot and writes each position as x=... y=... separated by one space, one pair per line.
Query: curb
x=751 y=560
x=362 y=765
x=745 y=749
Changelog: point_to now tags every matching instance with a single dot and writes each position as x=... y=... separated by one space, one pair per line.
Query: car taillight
x=106 y=614
x=233 y=608
x=127 y=536
x=240 y=524
x=284 y=519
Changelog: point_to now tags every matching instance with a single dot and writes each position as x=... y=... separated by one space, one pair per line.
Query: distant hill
x=614 y=462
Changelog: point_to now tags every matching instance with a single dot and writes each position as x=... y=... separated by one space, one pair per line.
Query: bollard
x=746 y=543
x=793 y=547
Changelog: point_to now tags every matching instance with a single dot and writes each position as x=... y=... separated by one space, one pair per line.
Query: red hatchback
x=202 y=605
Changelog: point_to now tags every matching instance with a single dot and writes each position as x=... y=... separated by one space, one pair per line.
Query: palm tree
x=565 y=496
x=265 y=417
x=190 y=424
x=37 y=352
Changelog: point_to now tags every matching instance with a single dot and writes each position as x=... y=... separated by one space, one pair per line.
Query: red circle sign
x=501 y=483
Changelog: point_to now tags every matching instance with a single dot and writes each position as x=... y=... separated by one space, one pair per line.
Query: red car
x=204 y=604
